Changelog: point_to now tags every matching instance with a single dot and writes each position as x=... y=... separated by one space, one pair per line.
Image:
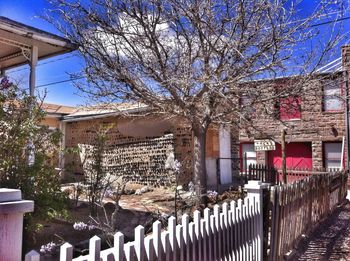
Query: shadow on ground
x=331 y=240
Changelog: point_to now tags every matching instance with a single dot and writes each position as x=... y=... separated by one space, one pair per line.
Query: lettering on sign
x=264 y=145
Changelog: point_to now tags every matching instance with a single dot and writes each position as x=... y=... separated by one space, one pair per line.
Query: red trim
x=290 y=108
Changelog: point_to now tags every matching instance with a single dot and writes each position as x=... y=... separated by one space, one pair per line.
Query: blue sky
x=57 y=68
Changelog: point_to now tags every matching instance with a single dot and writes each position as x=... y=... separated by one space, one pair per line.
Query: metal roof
x=331 y=67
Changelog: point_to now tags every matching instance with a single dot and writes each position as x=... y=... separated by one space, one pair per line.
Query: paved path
x=331 y=240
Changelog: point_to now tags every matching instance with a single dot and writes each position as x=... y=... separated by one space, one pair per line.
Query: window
x=332 y=155
x=332 y=96
x=247 y=150
x=290 y=108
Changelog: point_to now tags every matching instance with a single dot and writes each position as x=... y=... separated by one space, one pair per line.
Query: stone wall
x=138 y=151
x=316 y=126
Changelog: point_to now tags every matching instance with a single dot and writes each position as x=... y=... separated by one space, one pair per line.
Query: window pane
x=251 y=154
x=332 y=96
x=332 y=154
x=332 y=103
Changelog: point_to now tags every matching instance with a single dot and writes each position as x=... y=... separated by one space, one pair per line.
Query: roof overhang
x=17 y=39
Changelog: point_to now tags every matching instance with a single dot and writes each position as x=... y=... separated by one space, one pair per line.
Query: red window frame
x=290 y=108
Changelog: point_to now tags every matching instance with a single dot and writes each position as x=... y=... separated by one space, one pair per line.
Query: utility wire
x=58 y=82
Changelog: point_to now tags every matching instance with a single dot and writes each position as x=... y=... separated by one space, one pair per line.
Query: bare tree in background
x=190 y=59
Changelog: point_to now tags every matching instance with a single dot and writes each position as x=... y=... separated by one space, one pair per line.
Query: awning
x=17 y=41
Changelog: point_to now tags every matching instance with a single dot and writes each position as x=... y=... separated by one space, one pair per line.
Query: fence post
x=254 y=190
x=12 y=209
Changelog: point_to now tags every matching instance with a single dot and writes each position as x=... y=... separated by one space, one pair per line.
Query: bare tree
x=191 y=59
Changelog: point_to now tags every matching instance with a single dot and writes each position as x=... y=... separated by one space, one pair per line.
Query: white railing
x=231 y=232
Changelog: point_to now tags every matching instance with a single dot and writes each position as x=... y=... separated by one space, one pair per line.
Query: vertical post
x=225 y=153
x=32 y=80
x=346 y=114
x=254 y=190
x=283 y=148
x=62 y=145
x=12 y=209
x=33 y=63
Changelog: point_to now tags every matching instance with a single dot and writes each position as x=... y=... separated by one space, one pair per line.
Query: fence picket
x=156 y=229
x=139 y=242
x=166 y=245
x=193 y=253
x=149 y=247
x=172 y=236
x=32 y=256
x=118 y=246
x=94 y=248
x=180 y=242
x=129 y=250
x=186 y=237
x=66 y=252
x=207 y=246
x=197 y=230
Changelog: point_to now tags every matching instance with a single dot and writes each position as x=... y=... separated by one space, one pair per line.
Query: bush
x=21 y=137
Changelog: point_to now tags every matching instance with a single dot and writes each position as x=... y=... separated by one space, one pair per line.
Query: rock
x=144 y=189
x=129 y=191
x=138 y=192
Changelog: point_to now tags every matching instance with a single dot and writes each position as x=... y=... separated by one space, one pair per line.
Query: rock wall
x=141 y=159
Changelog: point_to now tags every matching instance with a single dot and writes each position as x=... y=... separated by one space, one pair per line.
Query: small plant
x=212 y=195
x=48 y=248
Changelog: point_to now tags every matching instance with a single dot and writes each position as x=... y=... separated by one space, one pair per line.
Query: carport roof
x=17 y=39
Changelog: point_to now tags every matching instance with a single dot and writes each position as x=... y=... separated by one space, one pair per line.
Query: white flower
x=212 y=193
x=83 y=226
x=80 y=226
x=48 y=247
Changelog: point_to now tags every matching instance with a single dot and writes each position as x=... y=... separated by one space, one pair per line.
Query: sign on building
x=264 y=145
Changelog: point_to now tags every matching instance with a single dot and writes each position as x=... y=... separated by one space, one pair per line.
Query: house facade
x=315 y=123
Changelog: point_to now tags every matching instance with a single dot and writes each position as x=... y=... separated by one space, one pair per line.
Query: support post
x=32 y=63
x=12 y=209
x=254 y=190
x=32 y=81
x=283 y=148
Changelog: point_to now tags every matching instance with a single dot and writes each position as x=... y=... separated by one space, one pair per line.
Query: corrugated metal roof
x=331 y=67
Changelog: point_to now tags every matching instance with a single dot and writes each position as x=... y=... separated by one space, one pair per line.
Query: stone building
x=137 y=147
x=315 y=127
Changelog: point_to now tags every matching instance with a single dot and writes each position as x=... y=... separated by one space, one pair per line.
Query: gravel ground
x=331 y=240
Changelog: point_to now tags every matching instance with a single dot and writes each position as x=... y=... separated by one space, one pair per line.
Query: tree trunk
x=199 y=166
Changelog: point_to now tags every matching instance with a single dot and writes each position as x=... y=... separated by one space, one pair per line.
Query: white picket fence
x=231 y=232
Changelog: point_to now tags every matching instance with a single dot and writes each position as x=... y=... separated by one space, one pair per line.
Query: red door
x=298 y=155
